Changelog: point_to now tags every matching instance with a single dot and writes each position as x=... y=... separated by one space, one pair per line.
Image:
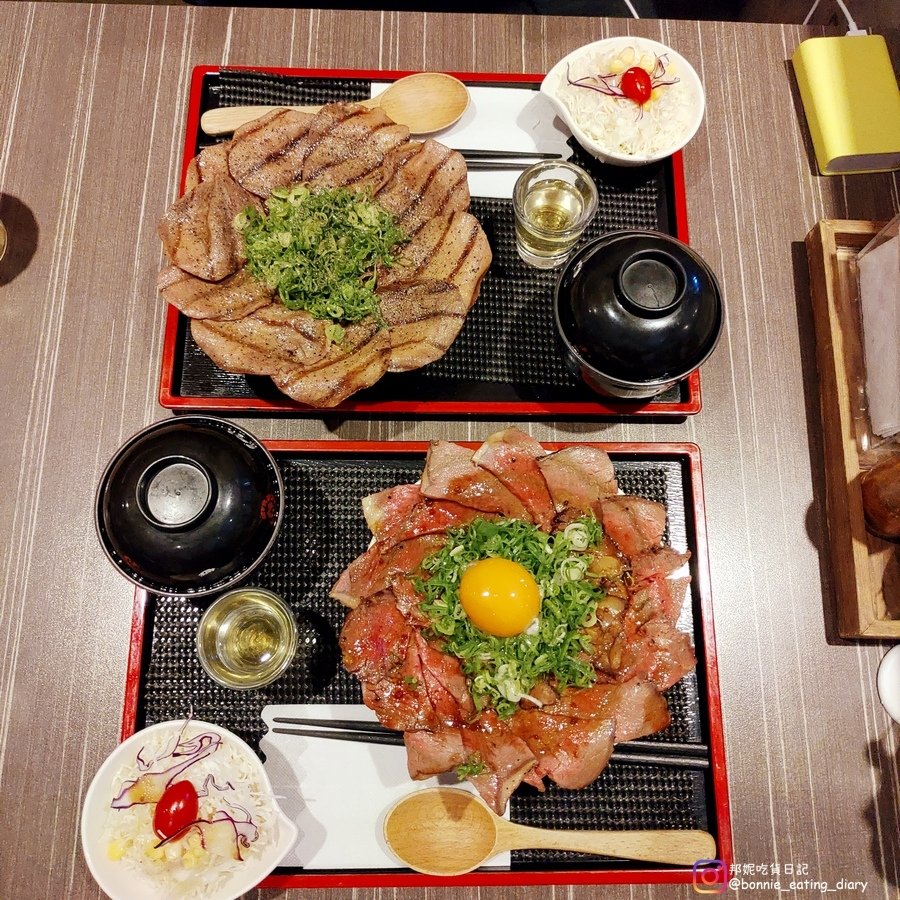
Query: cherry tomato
x=176 y=809
x=635 y=85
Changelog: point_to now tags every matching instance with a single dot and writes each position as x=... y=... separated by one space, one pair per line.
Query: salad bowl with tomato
x=182 y=808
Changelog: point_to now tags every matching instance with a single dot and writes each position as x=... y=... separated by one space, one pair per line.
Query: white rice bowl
x=133 y=876
x=617 y=130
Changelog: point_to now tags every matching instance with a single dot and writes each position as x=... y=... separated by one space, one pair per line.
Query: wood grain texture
x=867 y=591
x=813 y=759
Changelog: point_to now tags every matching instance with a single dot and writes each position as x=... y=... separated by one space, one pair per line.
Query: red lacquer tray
x=485 y=373
x=164 y=677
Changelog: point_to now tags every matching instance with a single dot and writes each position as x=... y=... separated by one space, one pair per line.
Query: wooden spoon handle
x=227 y=119
x=663 y=846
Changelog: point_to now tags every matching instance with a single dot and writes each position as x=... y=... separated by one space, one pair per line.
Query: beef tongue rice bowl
x=394 y=208
x=515 y=616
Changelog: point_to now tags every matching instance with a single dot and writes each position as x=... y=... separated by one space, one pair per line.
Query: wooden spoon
x=424 y=102
x=444 y=831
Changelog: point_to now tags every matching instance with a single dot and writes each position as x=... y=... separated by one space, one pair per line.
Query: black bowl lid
x=638 y=307
x=189 y=505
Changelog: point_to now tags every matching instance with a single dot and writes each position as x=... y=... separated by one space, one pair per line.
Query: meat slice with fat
x=577 y=477
x=450 y=474
x=198 y=232
x=388 y=509
x=654 y=647
x=266 y=342
x=269 y=151
x=399 y=514
x=513 y=456
x=506 y=758
x=657 y=562
x=232 y=298
x=445 y=684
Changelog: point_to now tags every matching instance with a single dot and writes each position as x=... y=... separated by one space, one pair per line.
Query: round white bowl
x=888 y=682
x=605 y=154
x=120 y=881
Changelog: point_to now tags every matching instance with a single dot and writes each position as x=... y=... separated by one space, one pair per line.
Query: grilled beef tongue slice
x=266 y=342
x=232 y=298
x=269 y=151
x=343 y=371
x=198 y=231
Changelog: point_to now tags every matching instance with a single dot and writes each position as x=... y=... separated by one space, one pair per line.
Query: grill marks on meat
x=430 y=181
x=425 y=297
x=423 y=321
x=424 y=300
x=232 y=298
x=566 y=734
x=269 y=152
x=353 y=150
x=271 y=340
x=356 y=363
x=198 y=233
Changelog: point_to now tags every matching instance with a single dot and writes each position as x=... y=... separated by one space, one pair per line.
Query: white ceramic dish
x=685 y=72
x=889 y=683
x=119 y=881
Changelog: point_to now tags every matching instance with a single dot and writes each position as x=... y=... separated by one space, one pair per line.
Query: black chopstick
x=394 y=738
x=661 y=753
x=507 y=154
x=478 y=165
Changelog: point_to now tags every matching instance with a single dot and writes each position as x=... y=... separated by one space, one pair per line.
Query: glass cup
x=553 y=203
x=247 y=638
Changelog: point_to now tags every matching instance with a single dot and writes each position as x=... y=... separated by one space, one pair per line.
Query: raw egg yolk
x=499 y=596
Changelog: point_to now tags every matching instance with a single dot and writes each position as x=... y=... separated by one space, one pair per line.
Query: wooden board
x=866 y=569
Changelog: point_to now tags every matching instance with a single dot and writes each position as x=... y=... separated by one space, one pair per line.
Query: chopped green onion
x=502 y=671
x=319 y=251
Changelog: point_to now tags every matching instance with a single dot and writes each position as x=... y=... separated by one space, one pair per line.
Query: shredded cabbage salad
x=617 y=123
x=502 y=670
x=319 y=250
x=234 y=823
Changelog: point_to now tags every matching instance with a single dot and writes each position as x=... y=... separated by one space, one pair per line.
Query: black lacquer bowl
x=189 y=506
x=637 y=311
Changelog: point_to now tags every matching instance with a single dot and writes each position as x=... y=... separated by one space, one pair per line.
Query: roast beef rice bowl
x=324 y=250
x=515 y=615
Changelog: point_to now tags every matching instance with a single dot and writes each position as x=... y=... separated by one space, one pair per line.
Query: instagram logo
x=709 y=876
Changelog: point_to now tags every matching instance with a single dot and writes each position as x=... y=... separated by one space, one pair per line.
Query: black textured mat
x=508 y=350
x=322 y=531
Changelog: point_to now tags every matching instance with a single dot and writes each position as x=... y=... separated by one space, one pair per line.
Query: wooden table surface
x=92 y=112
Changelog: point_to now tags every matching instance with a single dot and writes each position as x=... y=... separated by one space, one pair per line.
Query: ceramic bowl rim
x=114 y=758
x=129 y=444
x=611 y=156
x=660 y=383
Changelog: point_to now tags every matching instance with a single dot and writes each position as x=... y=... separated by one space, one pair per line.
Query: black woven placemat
x=322 y=531
x=508 y=349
